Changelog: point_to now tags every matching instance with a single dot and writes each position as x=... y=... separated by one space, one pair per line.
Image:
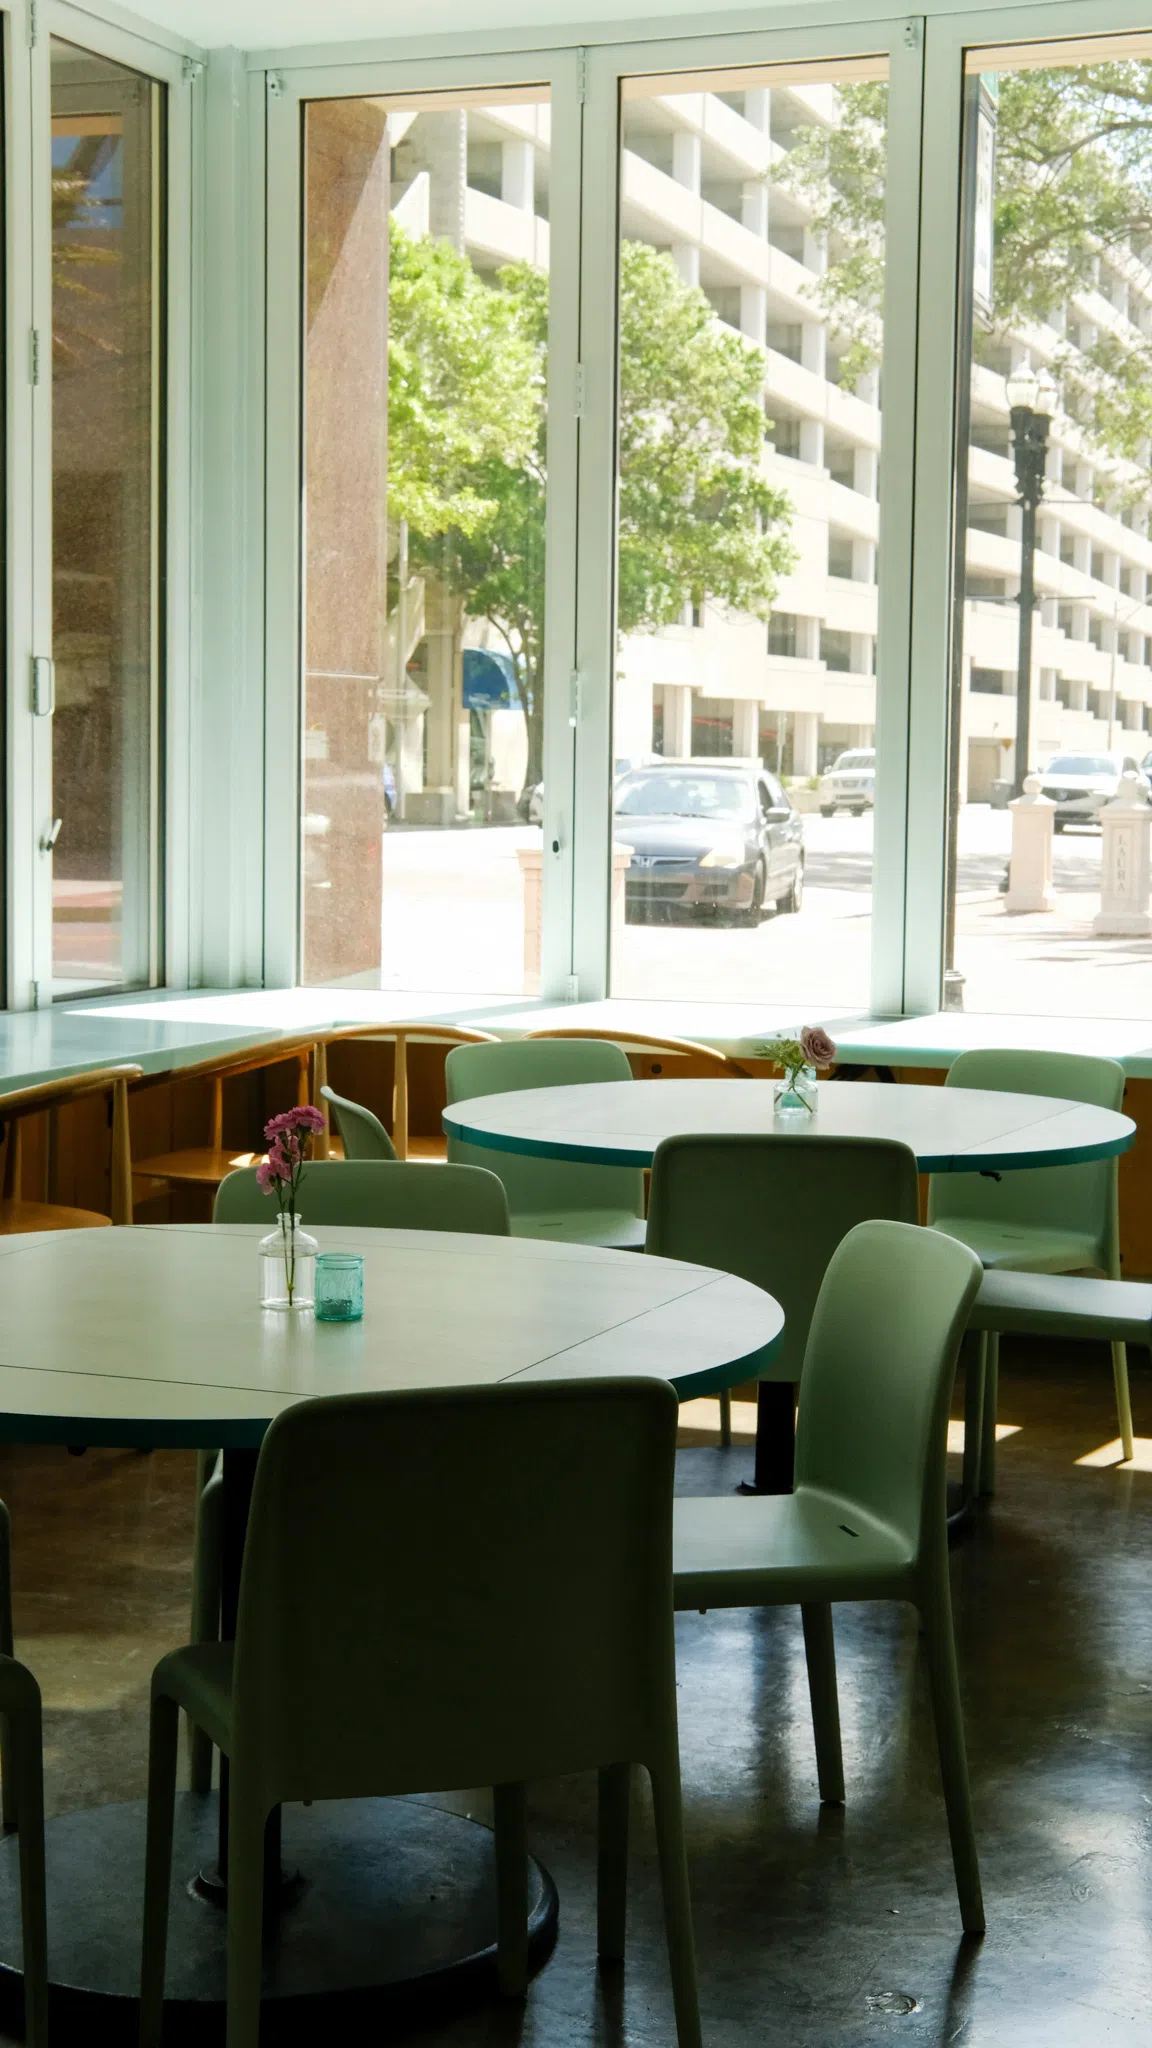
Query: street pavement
x=453 y=919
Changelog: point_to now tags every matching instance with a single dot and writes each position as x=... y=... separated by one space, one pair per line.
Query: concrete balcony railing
x=505 y=233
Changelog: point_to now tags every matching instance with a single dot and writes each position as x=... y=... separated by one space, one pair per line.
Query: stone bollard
x=1126 y=870
x=531 y=860
x=1030 y=862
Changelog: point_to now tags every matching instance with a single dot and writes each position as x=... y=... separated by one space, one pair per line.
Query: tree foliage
x=697 y=520
x=1073 y=183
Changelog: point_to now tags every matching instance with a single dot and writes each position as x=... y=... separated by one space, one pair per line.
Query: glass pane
x=107 y=482
x=1054 y=480
x=751 y=288
x=425 y=471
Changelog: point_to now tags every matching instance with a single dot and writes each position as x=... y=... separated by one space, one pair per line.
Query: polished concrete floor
x=816 y=1929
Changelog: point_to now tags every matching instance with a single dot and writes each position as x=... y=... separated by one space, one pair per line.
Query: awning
x=489 y=680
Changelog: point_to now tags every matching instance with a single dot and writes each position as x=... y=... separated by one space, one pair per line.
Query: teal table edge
x=641 y=1155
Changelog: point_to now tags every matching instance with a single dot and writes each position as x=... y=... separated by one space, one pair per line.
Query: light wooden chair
x=48 y=1098
x=206 y=1165
x=658 y=1059
x=401 y=1036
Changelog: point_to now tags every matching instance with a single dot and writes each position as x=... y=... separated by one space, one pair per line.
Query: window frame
x=172 y=64
x=285 y=93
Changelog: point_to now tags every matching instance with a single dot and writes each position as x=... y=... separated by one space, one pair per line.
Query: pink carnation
x=267 y=1176
x=294 y=1122
x=819 y=1049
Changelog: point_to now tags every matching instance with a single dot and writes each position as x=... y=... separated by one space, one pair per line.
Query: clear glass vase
x=288 y=1266
x=796 y=1096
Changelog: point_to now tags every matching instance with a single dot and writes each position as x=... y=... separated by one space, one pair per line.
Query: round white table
x=951 y=1130
x=155 y=1336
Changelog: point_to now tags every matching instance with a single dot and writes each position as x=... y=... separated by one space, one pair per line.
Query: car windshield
x=866 y=760
x=1082 y=764
x=684 y=796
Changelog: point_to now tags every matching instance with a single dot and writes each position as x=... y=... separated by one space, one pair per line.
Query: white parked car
x=1081 y=784
x=850 y=784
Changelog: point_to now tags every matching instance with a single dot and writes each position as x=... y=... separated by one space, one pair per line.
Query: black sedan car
x=709 y=839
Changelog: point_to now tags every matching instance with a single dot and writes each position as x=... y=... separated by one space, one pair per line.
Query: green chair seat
x=557 y=1198
x=722 y=1547
x=1014 y=1247
x=868 y=1518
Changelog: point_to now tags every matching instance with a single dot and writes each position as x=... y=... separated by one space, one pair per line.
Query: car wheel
x=858 y=810
x=1058 y=824
x=794 y=900
x=755 y=912
x=827 y=810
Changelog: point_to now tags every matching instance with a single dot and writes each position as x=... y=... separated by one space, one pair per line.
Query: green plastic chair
x=867 y=1520
x=376 y=1194
x=772 y=1209
x=514 y=1621
x=1048 y=1219
x=363 y=1134
x=556 y=1198
x=394 y=1194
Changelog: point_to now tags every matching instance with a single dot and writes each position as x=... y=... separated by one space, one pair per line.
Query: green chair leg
x=725 y=1419
x=1123 y=1398
x=26 y=1764
x=990 y=1412
x=8 y=1799
x=972 y=1351
x=511 y=1843
x=245 y=1922
x=162 y=1749
x=940 y=1649
x=820 y=1651
x=206 y=1580
x=669 y=1820
x=614 y=1801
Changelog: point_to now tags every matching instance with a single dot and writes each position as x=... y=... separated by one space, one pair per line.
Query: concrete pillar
x=444 y=682
x=1030 y=861
x=1125 y=865
x=348 y=189
x=745 y=727
x=866 y=472
x=518 y=175
x=805 y=743
x=753 y=297
x=686 y=171
x=677 y=721
x=808 y=638
x=863 y=561
x=812 y=442
x=860 y=656
x=438 y=143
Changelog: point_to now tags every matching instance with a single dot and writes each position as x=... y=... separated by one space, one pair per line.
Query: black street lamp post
x=1031 y=400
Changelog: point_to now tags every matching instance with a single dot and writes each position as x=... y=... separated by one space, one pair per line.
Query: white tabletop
x=951 y=1130
x=155 y=1335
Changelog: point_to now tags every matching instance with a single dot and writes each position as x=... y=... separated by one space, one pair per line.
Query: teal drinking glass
x=339 y=1287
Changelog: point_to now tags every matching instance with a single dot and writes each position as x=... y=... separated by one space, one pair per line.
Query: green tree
x=697 y=519
x=1073 y=181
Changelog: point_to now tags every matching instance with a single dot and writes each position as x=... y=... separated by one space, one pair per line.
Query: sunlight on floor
x=1113 y=1454
x=956 y=1434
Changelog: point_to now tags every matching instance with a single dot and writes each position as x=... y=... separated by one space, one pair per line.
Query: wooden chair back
x=400 y=1036
x=50 y=1097
x=653 y=1058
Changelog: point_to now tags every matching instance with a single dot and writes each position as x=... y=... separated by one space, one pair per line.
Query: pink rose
x=819 y=1049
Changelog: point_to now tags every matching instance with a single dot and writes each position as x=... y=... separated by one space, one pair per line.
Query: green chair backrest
x=460 y=1587
x=873 y=1415
x=1080 y=1198
x=536 y=1186
x=376 y=1194
x=772 y=1209
x=363 y=1134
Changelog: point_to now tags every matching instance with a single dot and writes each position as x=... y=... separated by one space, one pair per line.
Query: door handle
x=48 y=839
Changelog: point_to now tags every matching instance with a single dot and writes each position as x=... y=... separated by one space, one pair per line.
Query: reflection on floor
x=816 y=1929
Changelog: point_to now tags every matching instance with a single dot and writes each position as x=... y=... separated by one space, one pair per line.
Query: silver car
x=1081 y=784
x=850 y=784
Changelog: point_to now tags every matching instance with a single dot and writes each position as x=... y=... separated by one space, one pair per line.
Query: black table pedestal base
x=395 y=1912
